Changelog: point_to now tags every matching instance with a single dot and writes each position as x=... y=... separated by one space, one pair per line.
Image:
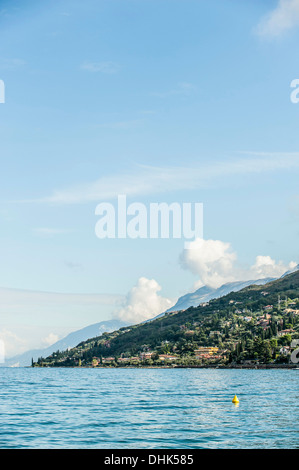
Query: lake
x=148 y=408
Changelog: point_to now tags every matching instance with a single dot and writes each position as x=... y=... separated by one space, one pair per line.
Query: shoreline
x=223 y=367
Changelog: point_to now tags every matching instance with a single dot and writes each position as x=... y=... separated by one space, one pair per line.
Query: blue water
x=148 y=409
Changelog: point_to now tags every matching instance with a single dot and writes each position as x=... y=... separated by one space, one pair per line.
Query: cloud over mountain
x=143 y=302
x=215 y=263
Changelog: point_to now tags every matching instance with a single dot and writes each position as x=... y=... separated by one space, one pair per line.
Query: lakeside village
x=238 y=336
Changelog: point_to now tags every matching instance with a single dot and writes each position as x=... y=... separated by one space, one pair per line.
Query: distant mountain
x=70 y=341
x=220 y=323
x=205 y=293
x=291 y=271
x=201 y=295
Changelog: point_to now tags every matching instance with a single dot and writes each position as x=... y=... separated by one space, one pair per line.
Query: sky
x=161 y=101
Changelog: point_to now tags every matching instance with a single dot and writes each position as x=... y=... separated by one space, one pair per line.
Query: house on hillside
x=167 y=357
x=285 y=332
x=146 y=355
x=107 y=360
x=205 y=351
x=284 y=351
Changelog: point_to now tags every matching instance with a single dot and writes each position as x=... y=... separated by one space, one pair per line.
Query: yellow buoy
x=235 y=399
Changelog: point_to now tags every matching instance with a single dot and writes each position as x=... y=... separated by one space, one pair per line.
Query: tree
x=274 y=345
x=267 y=351
x=285 y=340
x=155 y=356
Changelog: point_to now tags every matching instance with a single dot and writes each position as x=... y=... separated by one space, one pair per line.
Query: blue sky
x=163 y=101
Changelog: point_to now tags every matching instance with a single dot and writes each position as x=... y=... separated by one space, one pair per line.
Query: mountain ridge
x=201 y=295
x=206 y=293
x=69 y=341
x=231 y=311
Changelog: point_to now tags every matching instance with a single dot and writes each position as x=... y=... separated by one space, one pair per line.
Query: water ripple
x=179 y=409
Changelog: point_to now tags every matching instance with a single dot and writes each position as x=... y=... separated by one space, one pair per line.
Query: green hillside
x=256 y=324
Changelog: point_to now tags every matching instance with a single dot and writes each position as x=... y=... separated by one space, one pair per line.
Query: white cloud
x=212 y=260
x=284 y=18
x=20 y=338
x=31 y=319
x=265 y=266
x=50 y=339
x=103 y=67
x=215 y=263
x=150 y=180
x=12 y=343
x=143 y=302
